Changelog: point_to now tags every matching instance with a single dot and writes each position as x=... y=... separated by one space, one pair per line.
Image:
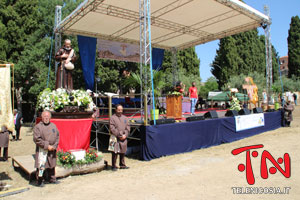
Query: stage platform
x=169 y=139
x=100 y=128
x=154 y=141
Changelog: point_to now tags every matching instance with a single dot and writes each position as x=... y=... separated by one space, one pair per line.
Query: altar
x=73 y=133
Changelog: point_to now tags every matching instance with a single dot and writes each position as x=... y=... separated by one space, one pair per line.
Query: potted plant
x=134 y=81
x=277 y=91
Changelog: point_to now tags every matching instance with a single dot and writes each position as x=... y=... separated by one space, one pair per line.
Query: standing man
x=193 y=94
x=18 y=122
x=66 y=56
x=288 y=113
x=295 y=98
x=119 y=127
x=46 y=138
x=4 y=141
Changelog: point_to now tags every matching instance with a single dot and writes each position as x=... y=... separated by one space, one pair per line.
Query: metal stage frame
x=177 y=25
x=101 y=127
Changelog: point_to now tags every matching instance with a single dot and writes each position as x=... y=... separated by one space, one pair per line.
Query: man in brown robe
x=288 y=116
x=64 y=76
x=46 y=138
x=4 y=140
x=119 y=127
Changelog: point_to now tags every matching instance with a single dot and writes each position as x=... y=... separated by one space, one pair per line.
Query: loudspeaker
x=244 y=111
x=211 y=114
x=258 y=110
x=231 y=113
x=163 y=121
x=195 y=118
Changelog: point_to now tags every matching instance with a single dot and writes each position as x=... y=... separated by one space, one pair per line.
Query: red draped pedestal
x=73 y=133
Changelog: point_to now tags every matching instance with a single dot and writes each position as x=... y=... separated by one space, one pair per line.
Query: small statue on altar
x=66 y=56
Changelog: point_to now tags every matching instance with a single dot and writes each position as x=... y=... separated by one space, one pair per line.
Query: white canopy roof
x=175 y=23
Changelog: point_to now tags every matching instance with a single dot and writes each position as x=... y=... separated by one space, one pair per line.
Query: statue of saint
x=66 y=57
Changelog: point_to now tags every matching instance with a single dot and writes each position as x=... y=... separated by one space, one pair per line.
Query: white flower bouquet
x=60 y=98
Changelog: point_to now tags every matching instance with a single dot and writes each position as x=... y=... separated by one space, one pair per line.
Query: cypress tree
x=294 y=47
x=242 y=53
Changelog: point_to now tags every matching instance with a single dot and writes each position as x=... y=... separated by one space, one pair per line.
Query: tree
x=294 y=47
x=241 y=54
x=111 y=74
x=19 y=19
x=237 y=81
x=288 y=84
x=187 y=69
x=210 y=85
x=28 y=27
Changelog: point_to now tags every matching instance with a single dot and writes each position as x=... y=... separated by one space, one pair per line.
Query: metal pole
x=109 y=106
x=57 y=35
x=174 y=66
x=268 y=46
x=141 y=53
x=150 y=58
x=146 y=110
x=96 y=116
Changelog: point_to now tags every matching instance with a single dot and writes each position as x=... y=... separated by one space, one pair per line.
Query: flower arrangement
x=59 y=98
x=91 y=156
x=66 y=159
x=235 y=104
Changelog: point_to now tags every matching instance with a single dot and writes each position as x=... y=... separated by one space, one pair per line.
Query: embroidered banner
x=6 y=115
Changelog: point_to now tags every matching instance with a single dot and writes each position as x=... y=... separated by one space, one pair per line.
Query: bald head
x=67 y=44
x=119 y=110
x=46 y=116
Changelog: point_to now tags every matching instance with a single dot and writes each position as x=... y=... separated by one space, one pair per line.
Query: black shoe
x=114 y=169
x=124 y=167
x=37 y=184
x=54 y=182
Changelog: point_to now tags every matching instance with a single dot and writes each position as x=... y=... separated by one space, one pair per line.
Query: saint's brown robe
x=4 y=137
x=63 y=76
x=43 y=136
x=119 y=126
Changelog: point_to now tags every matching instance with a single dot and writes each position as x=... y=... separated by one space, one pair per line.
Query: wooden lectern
x=174 y=106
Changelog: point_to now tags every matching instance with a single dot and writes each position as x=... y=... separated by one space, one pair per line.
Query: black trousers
x=114 y=159
x=287 y=123
x=49 y=175
x=18 y=133
x=5 y=152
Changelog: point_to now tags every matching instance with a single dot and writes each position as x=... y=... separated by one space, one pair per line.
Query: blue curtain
x=157 y=58
x=87 y=50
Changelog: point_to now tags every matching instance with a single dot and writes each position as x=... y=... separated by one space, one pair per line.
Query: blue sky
x=280 y=12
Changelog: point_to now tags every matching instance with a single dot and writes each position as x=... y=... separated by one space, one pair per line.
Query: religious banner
x=118 y=51
x=6 y=115
x=244 y=122
x=251 y=90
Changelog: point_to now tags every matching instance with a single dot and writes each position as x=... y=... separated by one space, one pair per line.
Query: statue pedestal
x=174 y=106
